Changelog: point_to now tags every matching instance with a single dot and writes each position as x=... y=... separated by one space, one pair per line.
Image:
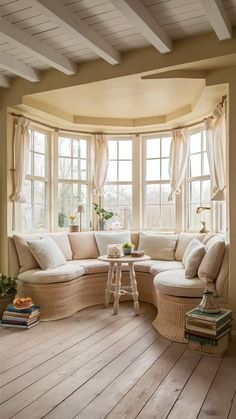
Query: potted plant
x=103 y=216
x=127 y=248
x=7 y=291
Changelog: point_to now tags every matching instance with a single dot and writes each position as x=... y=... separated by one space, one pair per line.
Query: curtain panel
x=216 y=149
x=179 y=152
x=100 y=162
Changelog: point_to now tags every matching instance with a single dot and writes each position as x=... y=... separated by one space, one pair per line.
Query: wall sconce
x=200 y=210
x=80 y=209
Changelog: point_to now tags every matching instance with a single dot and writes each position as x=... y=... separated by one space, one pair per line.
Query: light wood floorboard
x=94 y=365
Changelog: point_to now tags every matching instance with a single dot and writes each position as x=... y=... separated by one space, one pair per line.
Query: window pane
x=64 y=146
x=39 y=193
x=165 y=146
x=195 y=143
x=125 y=195
x=195 y=165
x=125 y=150
x=165 y=169
x=29 y=168
x=206 y=185
x=112 y=149
x=39 y=165
x=153 y=194
x=110 y=195
x=153 y=148
x=194 y=218
x=39 y=216
x=194 y=192
x=83 y=149
x=64 y=168
x=153 y=169
x=125 y=171
x=165 y=192
x=39 y=142
x=27 y=217
x=167 y=216
x=206 y=170
x=112 y=171
x=27 y=191
x=64 y=203
x=153 y=217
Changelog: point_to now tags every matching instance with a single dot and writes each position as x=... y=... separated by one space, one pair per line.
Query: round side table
x=115 y=288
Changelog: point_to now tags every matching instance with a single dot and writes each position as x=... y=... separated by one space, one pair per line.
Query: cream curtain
x=21 y=156
x=215 y=146
x=179 y=151
x=100 y=165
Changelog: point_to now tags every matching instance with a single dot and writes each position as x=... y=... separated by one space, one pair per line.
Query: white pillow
x=46 y=252
x=158 y=246
x=194 y=244
x=193 y=261
x=103 y=239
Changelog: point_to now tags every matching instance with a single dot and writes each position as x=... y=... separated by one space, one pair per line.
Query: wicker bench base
x=170 y=320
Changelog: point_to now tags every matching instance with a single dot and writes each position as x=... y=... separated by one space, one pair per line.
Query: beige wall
x=204 y=52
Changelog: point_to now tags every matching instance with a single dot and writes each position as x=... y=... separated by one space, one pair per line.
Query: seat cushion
x=163 y=265
x=62 y=273
x=174 y=283
x=145 y=265
x=94 y=266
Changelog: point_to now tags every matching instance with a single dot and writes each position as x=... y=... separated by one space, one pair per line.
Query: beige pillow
x=191 y=246
x=158 y=246
x=183 y=241
x=63 y=242
x=26 y=259
x=46 y=252
x=211 y=263
x=193 y=261
x=104 y=238
x=83 y=245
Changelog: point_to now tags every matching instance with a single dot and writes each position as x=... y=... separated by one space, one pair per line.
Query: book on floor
x=218 y=318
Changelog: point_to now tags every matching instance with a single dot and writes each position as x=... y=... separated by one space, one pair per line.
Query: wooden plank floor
x=96 y=365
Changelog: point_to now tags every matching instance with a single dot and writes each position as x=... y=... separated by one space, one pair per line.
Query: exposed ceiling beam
x=36 y=48
x=218 y=18
x=177 y=74
x=18 y=67
x=56 y=10
x=143 y=21
x=4 y=82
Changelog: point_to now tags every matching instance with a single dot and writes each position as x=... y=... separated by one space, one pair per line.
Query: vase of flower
x=103 y=216
x=74 y=228
x=127 y=248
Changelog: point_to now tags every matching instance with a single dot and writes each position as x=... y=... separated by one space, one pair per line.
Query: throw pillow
x=83 y=245
x=183 y=241
x=190 y=247
x=46 y=252
x=103 y=239
x=193 y=261
x=26 y=259
x=211 y=263
x=158 y=246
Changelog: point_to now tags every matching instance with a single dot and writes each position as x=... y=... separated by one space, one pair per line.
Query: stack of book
x=22 y=318
x=208 y=332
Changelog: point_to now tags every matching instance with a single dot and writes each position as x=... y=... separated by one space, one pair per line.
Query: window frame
x=57 y=180
x=46 y=179
x=122 y=182
x=145 y=182
x=201 y=178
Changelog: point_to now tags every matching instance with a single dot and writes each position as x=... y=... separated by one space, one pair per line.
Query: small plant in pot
x=127 y=248
x=103 y=215
x=7 y=291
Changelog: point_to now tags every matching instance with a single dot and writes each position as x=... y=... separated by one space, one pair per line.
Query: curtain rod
x=221 y=103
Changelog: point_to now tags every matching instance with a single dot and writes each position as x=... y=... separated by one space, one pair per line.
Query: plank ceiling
x=177 y=18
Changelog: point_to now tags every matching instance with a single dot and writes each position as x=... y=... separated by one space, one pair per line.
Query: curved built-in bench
x=81 y=283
